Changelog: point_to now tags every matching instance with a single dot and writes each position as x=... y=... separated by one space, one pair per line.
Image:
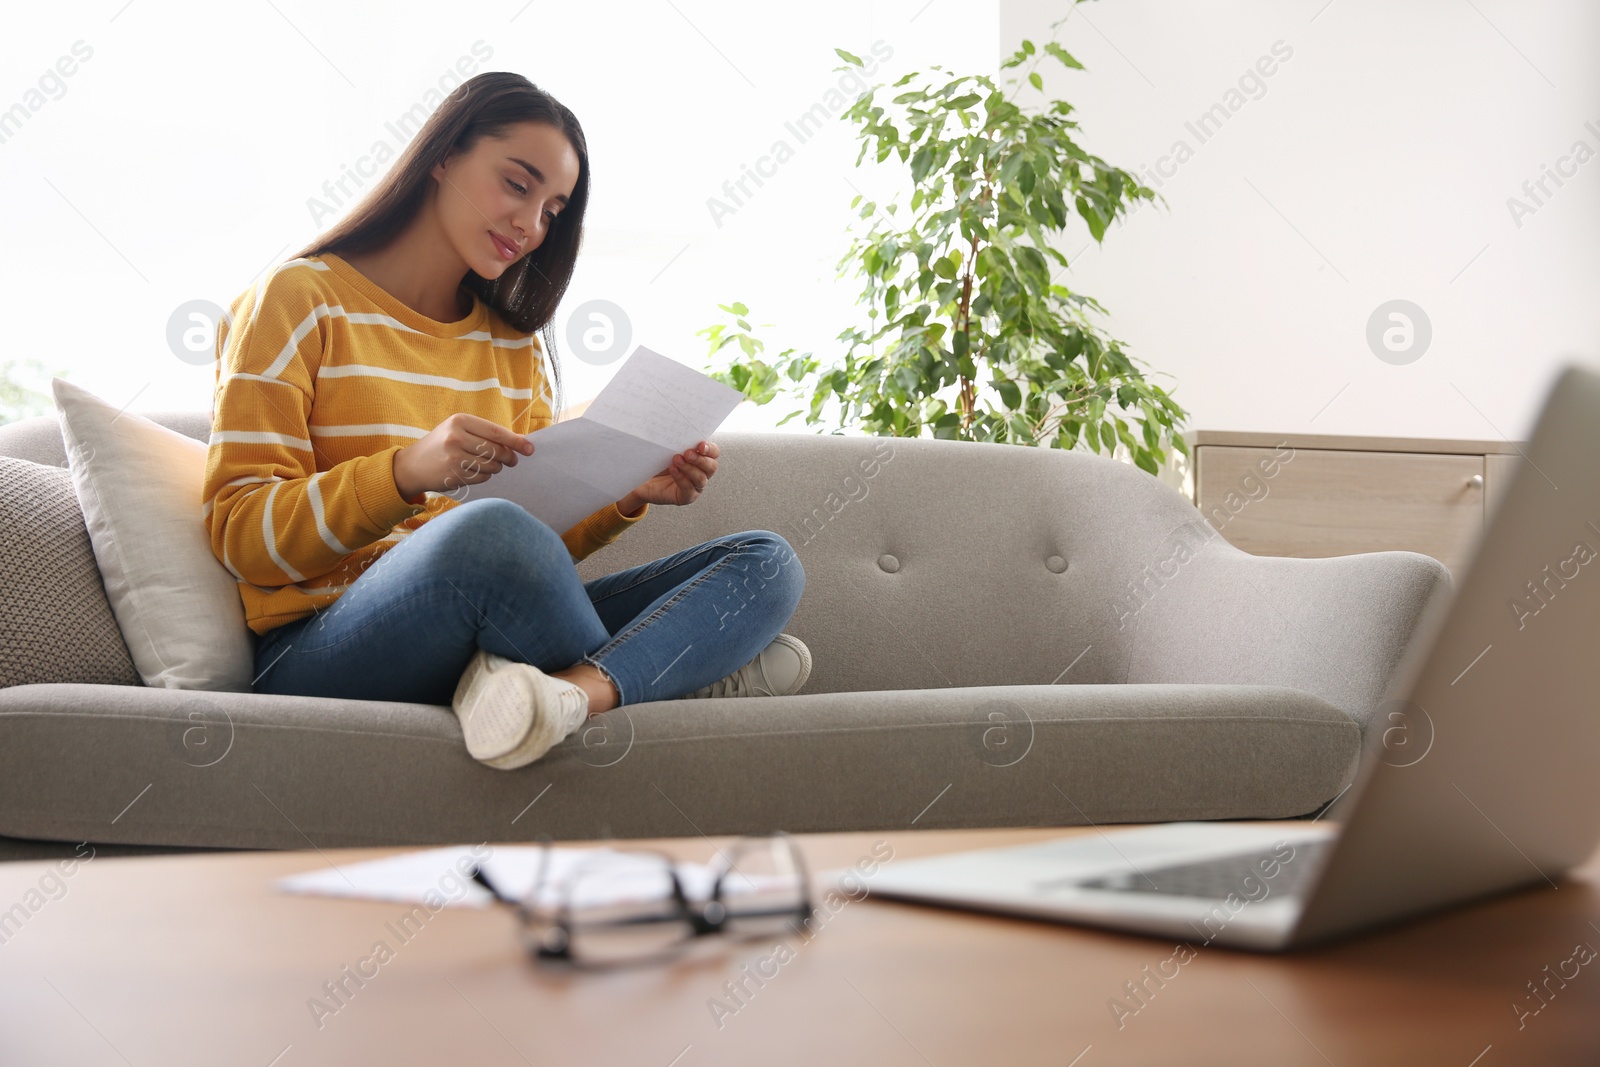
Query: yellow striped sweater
x=320 y=381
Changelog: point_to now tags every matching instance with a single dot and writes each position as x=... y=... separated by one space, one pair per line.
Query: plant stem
x=967 y=400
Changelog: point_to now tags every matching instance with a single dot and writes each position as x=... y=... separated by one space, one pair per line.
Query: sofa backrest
x=935 y=564
x=929 y=564
x=39 y=439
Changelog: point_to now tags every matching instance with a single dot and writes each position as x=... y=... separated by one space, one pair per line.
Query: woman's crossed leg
x=488 y=575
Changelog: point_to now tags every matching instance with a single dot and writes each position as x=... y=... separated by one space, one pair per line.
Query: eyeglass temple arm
x=483 y=880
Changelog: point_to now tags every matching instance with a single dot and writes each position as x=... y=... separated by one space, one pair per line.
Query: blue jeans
x=487 y=574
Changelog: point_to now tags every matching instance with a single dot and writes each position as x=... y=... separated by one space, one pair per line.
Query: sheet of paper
x=652 y=409
x=409 y=877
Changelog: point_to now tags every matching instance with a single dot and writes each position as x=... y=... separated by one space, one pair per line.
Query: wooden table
x=196 y=959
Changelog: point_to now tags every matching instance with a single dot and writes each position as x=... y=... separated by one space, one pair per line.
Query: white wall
x=1375 y=163
x=177 y=160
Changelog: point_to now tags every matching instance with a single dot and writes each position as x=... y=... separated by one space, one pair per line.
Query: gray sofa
x=1002 y=636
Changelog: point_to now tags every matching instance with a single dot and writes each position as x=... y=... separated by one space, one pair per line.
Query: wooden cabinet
x=1314 y=495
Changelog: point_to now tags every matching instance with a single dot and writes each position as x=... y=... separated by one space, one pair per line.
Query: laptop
x=1506 y=670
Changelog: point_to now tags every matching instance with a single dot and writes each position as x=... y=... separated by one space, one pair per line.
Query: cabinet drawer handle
x=1476 y=481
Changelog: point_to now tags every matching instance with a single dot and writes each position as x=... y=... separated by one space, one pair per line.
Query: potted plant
x=959 y=293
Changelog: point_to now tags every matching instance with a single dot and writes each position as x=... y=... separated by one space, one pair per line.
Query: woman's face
x=498 y=202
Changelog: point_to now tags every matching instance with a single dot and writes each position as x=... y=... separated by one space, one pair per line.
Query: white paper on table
x=408 y=878
x=652 y=409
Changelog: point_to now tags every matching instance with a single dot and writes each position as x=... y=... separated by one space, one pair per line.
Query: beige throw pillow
x=138 y=484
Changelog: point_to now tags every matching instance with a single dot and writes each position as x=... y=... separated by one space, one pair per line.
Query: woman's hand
x=464 y=449
x=682 y=480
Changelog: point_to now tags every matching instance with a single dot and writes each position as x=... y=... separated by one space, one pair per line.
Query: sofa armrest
x=1336 y=627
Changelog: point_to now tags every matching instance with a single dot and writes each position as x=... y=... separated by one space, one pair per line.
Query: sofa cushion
x=138 y=484
x=267 y=771
x=55 y=622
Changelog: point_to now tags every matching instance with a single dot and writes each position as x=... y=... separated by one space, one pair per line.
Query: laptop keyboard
x=1216 y=878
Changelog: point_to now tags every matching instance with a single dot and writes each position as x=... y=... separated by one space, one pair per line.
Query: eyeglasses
x=626 y=907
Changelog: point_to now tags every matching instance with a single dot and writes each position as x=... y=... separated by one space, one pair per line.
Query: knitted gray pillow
x=56 y=624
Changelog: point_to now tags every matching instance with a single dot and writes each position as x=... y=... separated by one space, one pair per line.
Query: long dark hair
x=528 y=293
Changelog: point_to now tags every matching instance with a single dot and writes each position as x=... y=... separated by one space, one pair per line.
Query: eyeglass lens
x=762 y=888
x=623 y=907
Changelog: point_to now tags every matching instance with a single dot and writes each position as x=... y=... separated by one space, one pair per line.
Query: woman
x=394 y=361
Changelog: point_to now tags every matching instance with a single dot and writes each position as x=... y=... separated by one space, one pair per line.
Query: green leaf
x=1009 y=393
x=1063 y=55
x=1097 y=223
x=1036 y=81
x=1025 y=179
x=848 y=57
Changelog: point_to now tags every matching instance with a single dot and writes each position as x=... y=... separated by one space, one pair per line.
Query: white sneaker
x=778 y=670
x=512 y=713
